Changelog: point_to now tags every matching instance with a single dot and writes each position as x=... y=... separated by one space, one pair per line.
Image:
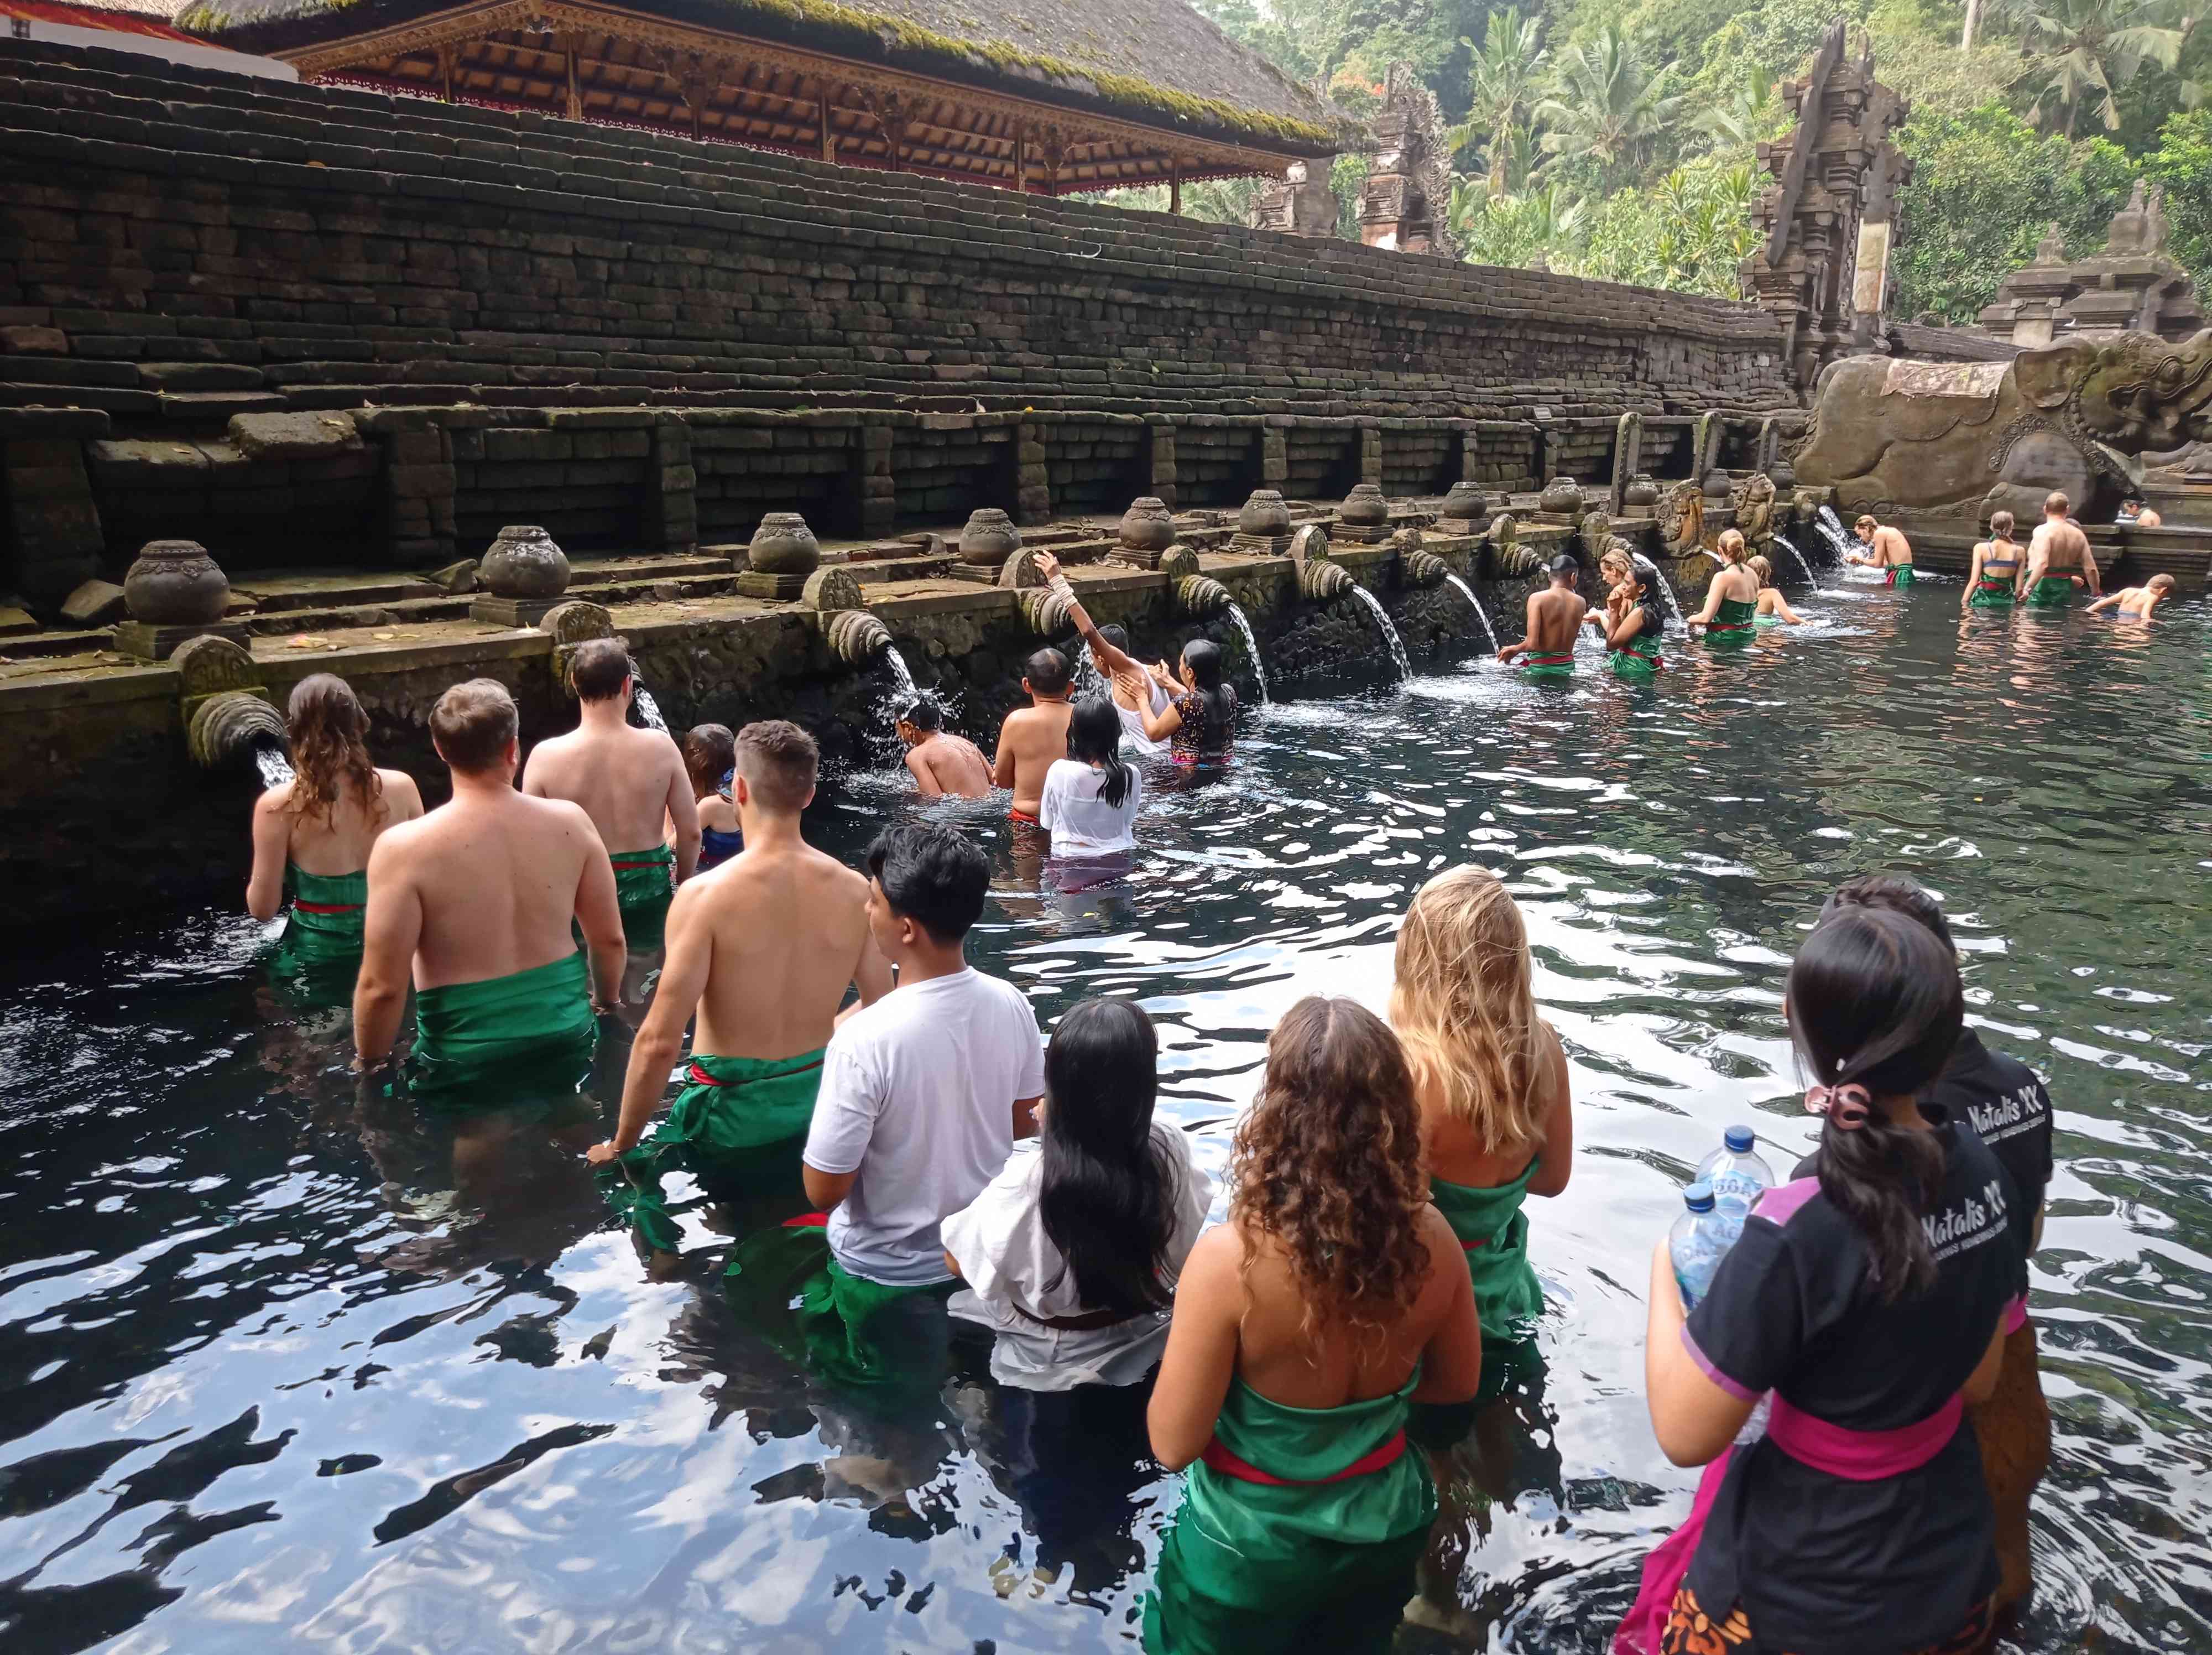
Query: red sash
x=699 y=1077
x=1023 y=817
x=1219 y=1459
x=326 y=907
x=1566 y=660
x=650 y=861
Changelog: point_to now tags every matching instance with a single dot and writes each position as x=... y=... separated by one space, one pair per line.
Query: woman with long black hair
x=1089 y=805
x=1202 y=719
x=1071 y=1254
x=1868 y=1303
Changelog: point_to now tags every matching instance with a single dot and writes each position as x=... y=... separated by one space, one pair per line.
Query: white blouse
x=1015 y=1273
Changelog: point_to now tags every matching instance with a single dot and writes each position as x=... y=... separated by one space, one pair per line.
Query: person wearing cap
x=1555 y=615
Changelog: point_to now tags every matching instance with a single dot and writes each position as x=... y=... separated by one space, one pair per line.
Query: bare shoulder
x=400 y=789
x=564 y=815
x=273 y=800
x=1216 y=1262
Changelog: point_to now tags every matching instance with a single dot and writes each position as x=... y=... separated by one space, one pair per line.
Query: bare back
x=340 y=843
x=952 y=764
x=626 y=779
x=786 y=928
x=1555 y=615
x=1891 y=549
x=495 y=877
x=2058 y=547
x=1031 y=741
x=1276 y=1356
x=1737 y=583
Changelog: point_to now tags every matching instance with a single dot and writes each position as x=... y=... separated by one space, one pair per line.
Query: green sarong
x=1732 y=623
x=645 y=884
x=1297 y=1563
x=2052 y=592
x=1554 y=664
x=318 y=956
x=524 y=1038
x=1899 y=576
x=730 y=1109
x=853 y=1331
x=1639 y=658
x=1991 y=591
x=1494 y=1231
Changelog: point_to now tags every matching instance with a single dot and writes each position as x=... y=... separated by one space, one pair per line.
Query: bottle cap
x=1698 y=1197
x=1739 y=1139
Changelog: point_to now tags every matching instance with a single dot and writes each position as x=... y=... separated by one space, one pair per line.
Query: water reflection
x=270 y=1376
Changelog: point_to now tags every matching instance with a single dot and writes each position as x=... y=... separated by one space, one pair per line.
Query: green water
x=269 y=1385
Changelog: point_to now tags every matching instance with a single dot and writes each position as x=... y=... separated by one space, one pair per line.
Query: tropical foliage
x=1618 y=138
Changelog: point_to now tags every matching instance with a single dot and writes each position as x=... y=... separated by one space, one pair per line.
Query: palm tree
x=1745 y=116
x=2092 y=48
x=1501 y=83
x=1607 y=108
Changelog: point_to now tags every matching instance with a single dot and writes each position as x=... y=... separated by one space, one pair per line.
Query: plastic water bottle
x=1739 y=1177
x=1698 y=1241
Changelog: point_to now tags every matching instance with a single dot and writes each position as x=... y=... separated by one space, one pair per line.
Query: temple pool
x=268 y=1386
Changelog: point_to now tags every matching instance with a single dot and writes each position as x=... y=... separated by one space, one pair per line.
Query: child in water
x=1773 y=608
x=1491 y=1080
x=1993 y=576
x=710 y=758
x=1304 y=1329
x=2136 y=603
x=1870 y=1301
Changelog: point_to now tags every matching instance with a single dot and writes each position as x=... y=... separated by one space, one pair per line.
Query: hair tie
x=1847 y=1107
x=729 y=780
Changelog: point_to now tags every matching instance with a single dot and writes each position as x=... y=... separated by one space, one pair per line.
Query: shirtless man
x=945 y=765
x=1886 y=548
x=2136 y=603
x=1555 y=615
x=1034 y=737
x=475 y=900
x=2058 y=555
x=2134 y=512
x=764 y=951
x=632 y=784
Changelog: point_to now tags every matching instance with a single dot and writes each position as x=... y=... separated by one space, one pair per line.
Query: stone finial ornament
x=989 y=539
x=783 y=544
x=1265 y=515
x=1146 y=526
x=175 y=583
x=1562 y=497
x=524 y=562
x=1640 y=493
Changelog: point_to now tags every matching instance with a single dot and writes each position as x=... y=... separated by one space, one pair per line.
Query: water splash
x=1791 y=546
x=276 y=770
x=649 y=709
x=1832 y=529
x=1659 y=578
x=1089 y=680
x=1467 y=592
x=1252 y=648
x=903 y=684
x=1397 y=656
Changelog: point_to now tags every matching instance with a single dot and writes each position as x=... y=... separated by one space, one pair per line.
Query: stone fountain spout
x=230 y=729
x=858 y=636
x=1201 y=596
x=1320 y=579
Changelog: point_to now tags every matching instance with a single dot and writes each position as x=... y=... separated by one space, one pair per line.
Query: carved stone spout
x=1201 y=596
x=228 y=729
x=857 y=636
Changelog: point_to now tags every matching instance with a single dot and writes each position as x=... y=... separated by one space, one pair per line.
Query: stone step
x=653 y=588
x=874 y=571
x=649 y=566
x=280 y=622
x=14 y=622
x=323 y=593
x=30 y=645
x=216 y=407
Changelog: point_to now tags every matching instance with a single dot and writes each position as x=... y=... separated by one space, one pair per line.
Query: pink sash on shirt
x=1857 y=1456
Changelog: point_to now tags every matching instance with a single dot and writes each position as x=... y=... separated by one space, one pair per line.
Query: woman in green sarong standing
x=1730 y=616
x=311 y=835
x=1304 y=1329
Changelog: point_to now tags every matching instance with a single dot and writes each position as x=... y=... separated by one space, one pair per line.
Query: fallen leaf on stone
x=386 y=636
x=302 y=641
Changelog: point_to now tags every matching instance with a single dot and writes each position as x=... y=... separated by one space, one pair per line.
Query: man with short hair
x=944 y=765
x=923 y=1094
x=1555 y=615
x=630 y=782
x=475 y=900
x=765 y=950
x=2058 y=556
x=1888 y=550
x=1035 y=738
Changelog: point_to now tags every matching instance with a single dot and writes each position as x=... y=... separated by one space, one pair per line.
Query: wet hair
x=1328 y=1163
x=1647 y=585
x=1094 y=736
x=1464 y=1009
x=1731 y=546
x=780 y=762
x=473 y=725
x=1867 y=522
x=1763 y=569
x=2131 y=500
x=2055 y=504
x=923 y=713
x=1615 y=557
x=1049 y=672
x=2002 y=525
x=1107 y=1194
x=1895 y=893
x=1873 y=1000
x=932 y=876
x=328 y=734
x=710 y=752
x=1564 y=564
x=1203 y=657
x=598 y=669
x=2161 y=582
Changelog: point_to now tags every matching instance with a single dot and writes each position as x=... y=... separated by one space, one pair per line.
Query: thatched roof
x=1156 y=62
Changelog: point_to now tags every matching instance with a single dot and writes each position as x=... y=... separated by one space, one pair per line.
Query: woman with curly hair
x=1491 y=1080
x=710 y=759
x=311 y=835
x=1304 y=1329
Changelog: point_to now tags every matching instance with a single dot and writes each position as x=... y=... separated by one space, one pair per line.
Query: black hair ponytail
x=1106 y=1195
x=1094 y=736
x=1875 y=1000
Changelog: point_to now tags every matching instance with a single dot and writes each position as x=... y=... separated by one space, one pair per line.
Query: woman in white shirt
x=1071 y=1254
x=1090 y=797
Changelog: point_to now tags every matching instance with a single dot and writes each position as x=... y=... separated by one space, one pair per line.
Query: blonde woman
x=1616 y=574
x=1773 y=608
x=1731 y=610
x=1490 y=1081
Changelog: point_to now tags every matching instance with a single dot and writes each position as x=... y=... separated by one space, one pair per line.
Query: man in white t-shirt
x=924 y=1092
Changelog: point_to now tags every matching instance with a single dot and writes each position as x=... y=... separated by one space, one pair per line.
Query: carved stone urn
x=175 y=583
x=1719 y=485
x=989 y=539
x=524 y=562
x=1640 y=493
x=1147 y=525
x=1783 y=474
x=1264 y=517
x=1465 y=502
x=1562 y=497
x=783 y=544
x=1365 y=514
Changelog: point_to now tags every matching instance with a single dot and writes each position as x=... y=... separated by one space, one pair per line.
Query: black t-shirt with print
x=1823 y=1565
